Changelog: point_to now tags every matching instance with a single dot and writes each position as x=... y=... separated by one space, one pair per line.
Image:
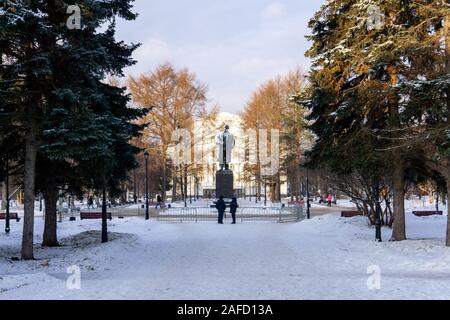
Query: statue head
x=227 y=127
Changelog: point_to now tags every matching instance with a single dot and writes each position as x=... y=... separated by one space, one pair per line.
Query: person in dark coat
x=233 y=208
x=91 y=202
x=221 y=206
x=159 y=201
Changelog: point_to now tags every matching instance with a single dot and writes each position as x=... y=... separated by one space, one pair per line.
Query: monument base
x=224 y=184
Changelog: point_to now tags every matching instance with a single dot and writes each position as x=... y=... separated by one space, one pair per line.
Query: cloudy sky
x=233 y=46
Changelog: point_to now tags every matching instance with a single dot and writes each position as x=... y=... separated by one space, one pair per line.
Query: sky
x=232 y=46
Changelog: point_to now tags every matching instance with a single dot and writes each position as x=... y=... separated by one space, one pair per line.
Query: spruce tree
x=66 y=113
x=99 y=118
x=25 y=68
x=363 y=53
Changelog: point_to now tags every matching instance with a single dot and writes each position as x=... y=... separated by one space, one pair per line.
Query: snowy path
x=324 y=258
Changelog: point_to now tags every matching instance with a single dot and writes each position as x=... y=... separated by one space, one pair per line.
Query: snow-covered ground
x=326 y=257
x=424 y=204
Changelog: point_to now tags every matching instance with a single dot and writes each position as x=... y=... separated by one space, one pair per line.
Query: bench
x=296 y=203
x=12 y=215
x=427 y=213
x=94 y=215
x=350 y=214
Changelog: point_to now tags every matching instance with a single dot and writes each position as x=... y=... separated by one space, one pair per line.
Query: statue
x=225 y=141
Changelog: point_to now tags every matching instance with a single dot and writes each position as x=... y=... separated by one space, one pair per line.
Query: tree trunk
x=447 y=241
x=164 y=178
x=185 y=183
x=123 y=194
x=29 y=193
x=272 y=190
x=174 y=186
x=181 y=179
x=50 y=238
x=278 y=187
x=446 y=164
x=399 y=227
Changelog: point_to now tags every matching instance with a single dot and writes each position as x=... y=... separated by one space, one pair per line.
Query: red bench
x=350 y=214
x=94 y=215
x=12 y=215
x=427 y=213
x=296 y=203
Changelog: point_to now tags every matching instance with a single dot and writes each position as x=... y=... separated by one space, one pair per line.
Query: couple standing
x=221 y=207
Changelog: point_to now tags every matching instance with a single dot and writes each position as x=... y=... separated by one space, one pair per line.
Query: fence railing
x=244 y=214
x=201 y=214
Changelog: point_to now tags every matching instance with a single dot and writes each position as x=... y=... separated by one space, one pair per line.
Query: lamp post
x=256 y=191
x=135 y=187
x=197 y=188
x=245 y=190
x=104 y=218
x=377 y=212
x=308 y=212
x=265 y=193
x=437 y=201
x=190 y=190
x=147 y=216
x=7 y=229
x=184 y=187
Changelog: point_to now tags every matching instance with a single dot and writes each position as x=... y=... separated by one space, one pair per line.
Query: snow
x=326 y=257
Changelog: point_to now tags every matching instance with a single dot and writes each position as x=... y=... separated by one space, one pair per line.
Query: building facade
x=206 y=153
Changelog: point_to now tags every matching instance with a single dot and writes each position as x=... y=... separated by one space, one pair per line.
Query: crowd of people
x=329 y=200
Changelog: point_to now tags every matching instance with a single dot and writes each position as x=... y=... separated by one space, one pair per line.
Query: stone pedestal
x=224 y=184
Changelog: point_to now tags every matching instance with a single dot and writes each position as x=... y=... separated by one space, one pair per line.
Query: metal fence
x=204 y=214
x=245 y=214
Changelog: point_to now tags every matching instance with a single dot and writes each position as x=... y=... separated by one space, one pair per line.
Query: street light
x=256 y=191
x=308 y=212
x=377 y=212
x=104 y=218
x=265 y=192
x=190 y=190
x=7 y=229
x=135 y=187
x=147 y=216
x=437 y=201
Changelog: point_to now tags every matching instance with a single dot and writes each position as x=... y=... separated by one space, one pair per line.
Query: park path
x=325 y=257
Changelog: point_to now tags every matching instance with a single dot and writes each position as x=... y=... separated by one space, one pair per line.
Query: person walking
x=221 y=206
x=158 y=201
x=91 y=203
x=233 y=208
x=330 y=199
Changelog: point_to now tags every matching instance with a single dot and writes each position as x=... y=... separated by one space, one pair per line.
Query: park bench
x=295 y=203
x=12 y=215
x=427 y=213
x=150 y=204
x=350 y=214
x=94 y=215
